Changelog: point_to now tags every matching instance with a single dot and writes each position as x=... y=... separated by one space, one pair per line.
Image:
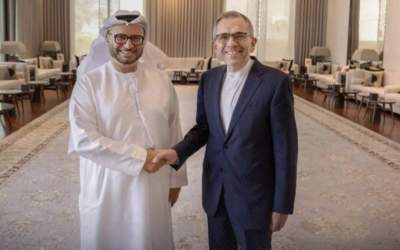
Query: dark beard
x=137 y=53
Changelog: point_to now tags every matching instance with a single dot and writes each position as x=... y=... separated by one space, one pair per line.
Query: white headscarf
x=99 y=54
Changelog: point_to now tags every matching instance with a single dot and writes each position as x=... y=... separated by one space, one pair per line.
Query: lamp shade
x=320 y=51
x=50 y=46
x=12 y=47
x=365 y=55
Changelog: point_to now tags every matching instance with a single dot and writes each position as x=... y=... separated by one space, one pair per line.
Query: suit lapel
x=252 y=82
x=216 y=97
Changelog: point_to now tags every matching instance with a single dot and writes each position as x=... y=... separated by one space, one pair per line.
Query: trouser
x=225 y=235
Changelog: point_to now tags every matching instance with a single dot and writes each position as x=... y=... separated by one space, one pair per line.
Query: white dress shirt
x=230 y=92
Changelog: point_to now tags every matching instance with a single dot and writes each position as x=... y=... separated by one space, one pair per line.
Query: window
x=88 y=16
x=273 y=21
x=372 y=24
x=279 y=30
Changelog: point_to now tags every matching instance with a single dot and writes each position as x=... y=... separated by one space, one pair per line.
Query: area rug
x=348 y=196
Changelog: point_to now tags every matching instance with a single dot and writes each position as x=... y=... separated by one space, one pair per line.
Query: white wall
x=391 y=57
x=337 y=29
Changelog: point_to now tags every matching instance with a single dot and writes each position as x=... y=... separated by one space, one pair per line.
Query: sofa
x=173 y=64
x=176 y=67
x=283 y=65
x=395 y=97
x=11 y=75
x=373 y=82
x=46 y=67
x=326 y=74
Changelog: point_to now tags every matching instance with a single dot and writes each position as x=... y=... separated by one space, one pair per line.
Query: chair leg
x=391 y=111
x=16 y=105
x=366 y=111
x=373 y=112
x=58 y=95
x=23 y=106
x=323 y=101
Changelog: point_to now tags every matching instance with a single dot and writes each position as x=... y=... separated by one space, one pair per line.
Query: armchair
x=50 y=48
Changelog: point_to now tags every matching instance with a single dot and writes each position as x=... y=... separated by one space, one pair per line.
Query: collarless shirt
x=231 y=89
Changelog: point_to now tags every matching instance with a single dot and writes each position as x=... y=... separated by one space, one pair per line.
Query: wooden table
x=17 y=97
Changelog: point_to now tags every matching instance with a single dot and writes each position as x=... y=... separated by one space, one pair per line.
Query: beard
x=118 y=54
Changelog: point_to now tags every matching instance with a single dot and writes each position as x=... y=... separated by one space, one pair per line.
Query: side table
x=17 y=97
x=38 y=94
x=5 y=111
x=382 y=102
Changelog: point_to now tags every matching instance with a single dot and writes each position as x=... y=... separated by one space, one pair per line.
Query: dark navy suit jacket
x=255 y=161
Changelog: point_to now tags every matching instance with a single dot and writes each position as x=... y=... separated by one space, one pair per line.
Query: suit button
x=226 y=147
x=221 y=170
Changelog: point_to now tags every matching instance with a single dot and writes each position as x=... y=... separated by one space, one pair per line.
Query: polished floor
x=387 y=127
x=31 y=111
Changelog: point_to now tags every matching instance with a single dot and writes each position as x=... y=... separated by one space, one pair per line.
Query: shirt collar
x=242 y=71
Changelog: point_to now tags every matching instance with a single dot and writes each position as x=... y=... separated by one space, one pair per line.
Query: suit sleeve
x=285 y=147
x=198 y=135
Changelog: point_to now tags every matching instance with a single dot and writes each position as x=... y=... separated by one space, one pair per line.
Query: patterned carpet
x=348 y=193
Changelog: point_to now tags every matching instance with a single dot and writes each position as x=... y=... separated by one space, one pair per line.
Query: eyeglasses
x=237 y=37
x=121 y=39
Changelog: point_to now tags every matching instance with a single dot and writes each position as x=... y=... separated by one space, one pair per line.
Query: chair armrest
x=311 y=69
x=20 y=75
x=392 y=88
x=58 y=64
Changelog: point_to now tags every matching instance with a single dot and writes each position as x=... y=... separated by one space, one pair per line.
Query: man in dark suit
x=245 y=116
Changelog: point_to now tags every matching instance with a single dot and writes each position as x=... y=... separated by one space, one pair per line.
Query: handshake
x=157 y=158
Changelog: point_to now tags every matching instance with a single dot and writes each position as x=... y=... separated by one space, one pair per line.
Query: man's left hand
x=278 y=221
x=173 y=195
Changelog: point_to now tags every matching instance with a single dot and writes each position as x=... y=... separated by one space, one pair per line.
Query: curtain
x=183 y=28
x=311 y=26
x=353 y=36
x=29 y=25
x=8 y=9
x=3 y=21
x=56 y=24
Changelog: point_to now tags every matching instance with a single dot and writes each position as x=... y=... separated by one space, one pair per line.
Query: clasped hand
x=158 y=158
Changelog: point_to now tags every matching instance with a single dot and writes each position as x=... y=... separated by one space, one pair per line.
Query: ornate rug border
x=356 y=128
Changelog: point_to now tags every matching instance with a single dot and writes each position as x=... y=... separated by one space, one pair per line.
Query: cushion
x=323 y=68
x=284 y=65
x=200 y=64
x=308 y=62
x=60 y=57
x=7 y=72
x=45 y=62
x=373 y=79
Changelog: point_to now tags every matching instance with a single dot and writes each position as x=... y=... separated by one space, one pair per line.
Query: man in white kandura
x=119 y=112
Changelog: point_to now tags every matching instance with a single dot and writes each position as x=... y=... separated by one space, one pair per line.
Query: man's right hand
x=168 y=156
x=150 y=165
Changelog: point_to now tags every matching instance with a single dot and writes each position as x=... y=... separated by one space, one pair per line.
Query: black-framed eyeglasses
x=121 y=39
x=237 y=36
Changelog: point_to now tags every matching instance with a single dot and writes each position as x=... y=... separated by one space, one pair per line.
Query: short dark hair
x=233 y=14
